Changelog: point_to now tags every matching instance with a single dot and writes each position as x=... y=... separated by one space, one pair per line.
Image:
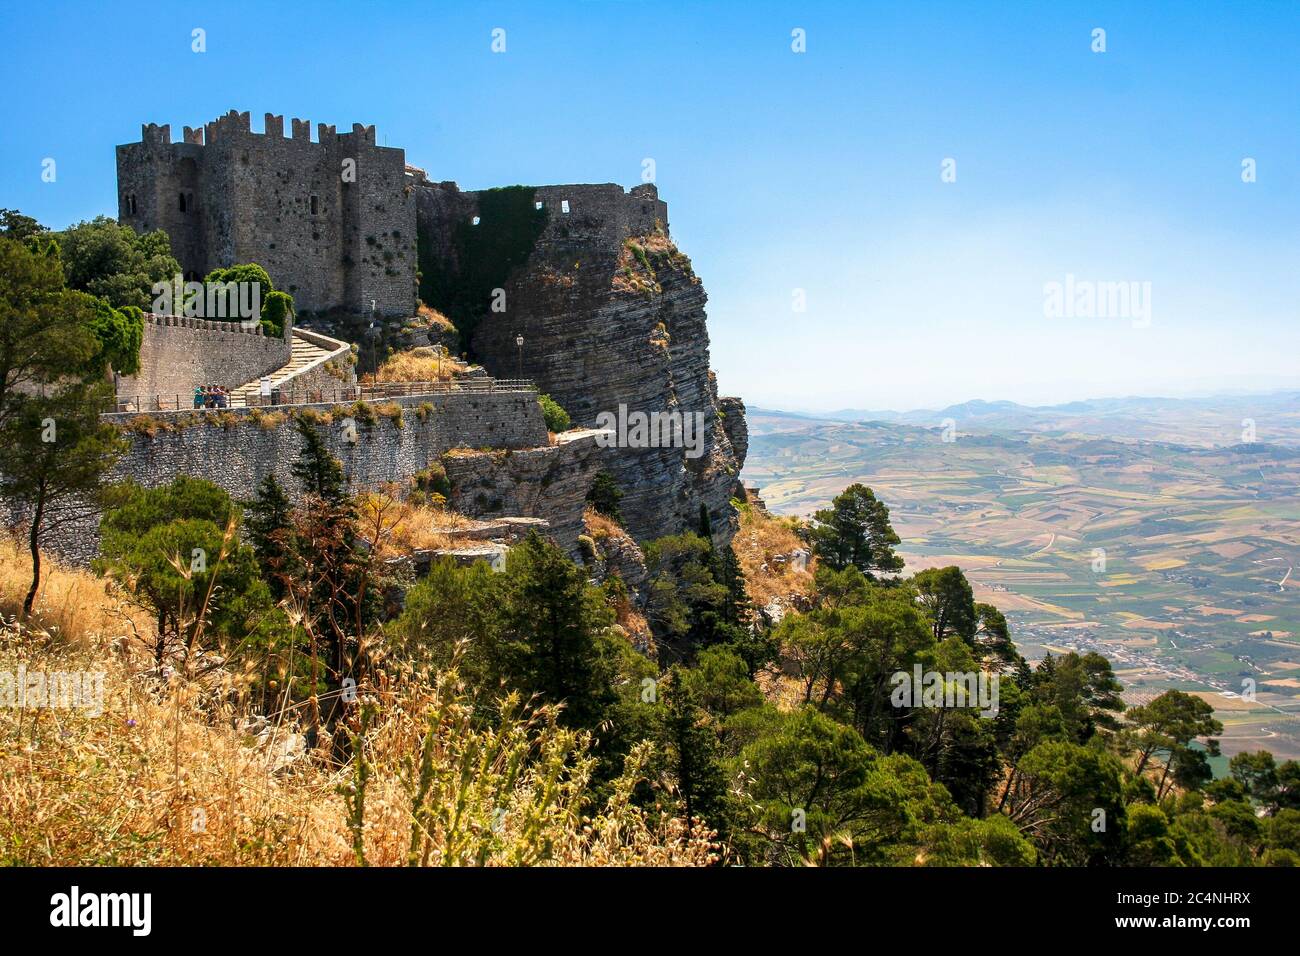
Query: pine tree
x=694 y=757
x=319 y=472
x=855 y=531
x=551 y=622
x=269 y=520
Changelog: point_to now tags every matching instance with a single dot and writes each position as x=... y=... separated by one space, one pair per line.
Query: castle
x=599 y=309
x=331 y=220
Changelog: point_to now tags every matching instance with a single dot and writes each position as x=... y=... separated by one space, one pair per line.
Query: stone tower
x=332 y=221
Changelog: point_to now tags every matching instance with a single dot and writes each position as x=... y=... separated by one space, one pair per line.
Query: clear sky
x=817 y=171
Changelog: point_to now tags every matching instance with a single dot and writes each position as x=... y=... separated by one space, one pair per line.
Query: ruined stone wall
x=332 y=221
x=178 y=353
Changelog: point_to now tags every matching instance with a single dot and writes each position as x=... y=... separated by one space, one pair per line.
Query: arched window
x=182 y=202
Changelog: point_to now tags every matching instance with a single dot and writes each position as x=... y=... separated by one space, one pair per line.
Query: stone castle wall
x=332 y=221
x=235 y=449
x=179 y=353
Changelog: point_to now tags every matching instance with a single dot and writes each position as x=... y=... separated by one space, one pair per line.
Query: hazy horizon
x=931 y=406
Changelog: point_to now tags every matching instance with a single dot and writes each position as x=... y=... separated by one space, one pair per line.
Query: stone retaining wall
x=179 y=353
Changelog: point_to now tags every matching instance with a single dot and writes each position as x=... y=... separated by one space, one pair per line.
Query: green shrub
x=557 y=419
x=277 y=307
x=605 y=496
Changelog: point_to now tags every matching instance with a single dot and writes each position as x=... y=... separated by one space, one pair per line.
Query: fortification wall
x=331 y=220
x=603 y=212
x=237 y=448
x=178 y=353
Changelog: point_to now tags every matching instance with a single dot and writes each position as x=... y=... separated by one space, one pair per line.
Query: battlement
x=209 y=325
x=151 y=134
x=236 y=126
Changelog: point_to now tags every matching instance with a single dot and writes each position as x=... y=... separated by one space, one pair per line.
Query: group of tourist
x=211 y=396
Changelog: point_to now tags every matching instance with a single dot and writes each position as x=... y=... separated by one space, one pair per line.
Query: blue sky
x=817 y=171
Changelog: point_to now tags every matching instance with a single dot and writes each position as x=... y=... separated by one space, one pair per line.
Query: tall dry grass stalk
x=71 y=606
x=178 y=772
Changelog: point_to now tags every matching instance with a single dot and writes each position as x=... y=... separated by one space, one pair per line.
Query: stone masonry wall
x=178 y=353
x=331 y=220
x=237 y=448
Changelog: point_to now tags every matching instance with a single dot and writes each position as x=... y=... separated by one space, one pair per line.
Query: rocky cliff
x=612 y=318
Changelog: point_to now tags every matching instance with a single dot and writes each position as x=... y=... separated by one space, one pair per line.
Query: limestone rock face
x=550 y=482
x=613 y=323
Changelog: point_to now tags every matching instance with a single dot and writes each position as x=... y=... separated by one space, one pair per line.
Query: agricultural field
x=1177 y=561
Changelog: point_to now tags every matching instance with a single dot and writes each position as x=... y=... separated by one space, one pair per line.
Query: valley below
x=1175 y=558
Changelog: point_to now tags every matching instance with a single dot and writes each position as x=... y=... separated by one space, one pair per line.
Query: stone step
x=302 y=353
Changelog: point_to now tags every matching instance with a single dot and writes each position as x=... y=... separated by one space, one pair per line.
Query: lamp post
x=519 y=343
x=370 y=334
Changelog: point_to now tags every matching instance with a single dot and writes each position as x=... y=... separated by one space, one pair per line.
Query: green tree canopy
x=855 y=532
x=112 y=262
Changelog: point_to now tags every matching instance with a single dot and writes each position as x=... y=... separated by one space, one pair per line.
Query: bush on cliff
x=605 y=495
x=557 y=419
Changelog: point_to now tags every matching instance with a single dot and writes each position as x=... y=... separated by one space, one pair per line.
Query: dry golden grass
x=71 y=606
x=419 y=365
x=394 y=527
x=168 y=772
x=433 y=317
x=601 y=527
x=761 y=538
x=607 y=532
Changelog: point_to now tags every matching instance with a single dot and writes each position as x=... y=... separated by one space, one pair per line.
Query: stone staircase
x=302 y=354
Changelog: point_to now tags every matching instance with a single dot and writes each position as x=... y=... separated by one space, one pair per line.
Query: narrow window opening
x=314 y=205
x=474 y=221
x=537 y=205
x=182 y=197
x=564 y=205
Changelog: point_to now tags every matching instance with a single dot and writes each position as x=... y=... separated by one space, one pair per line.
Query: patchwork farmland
x=1174 y=560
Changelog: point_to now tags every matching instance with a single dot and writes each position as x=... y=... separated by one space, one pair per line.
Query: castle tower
x=332 y=221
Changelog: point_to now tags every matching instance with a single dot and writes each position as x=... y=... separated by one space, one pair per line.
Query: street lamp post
x=519 y=343
x=370 y=334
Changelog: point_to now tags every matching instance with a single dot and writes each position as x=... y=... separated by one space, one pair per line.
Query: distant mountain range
x=1217 y=420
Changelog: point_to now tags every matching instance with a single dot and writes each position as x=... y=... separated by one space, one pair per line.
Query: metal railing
x=340 y=394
